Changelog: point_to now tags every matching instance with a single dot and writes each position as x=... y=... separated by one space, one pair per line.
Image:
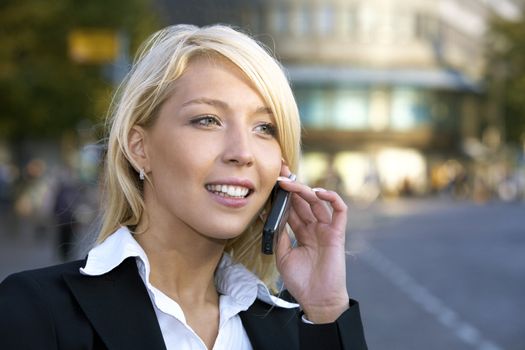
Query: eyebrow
x=222 y=104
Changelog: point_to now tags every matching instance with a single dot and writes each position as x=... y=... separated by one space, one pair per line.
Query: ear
x=137 y=148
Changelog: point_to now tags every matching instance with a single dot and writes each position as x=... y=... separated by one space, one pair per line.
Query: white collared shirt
x=238 y=289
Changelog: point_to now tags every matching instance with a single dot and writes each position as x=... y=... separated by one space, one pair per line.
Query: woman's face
x=212 y=154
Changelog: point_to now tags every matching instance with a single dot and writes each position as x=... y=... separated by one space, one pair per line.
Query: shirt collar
x=232 y=279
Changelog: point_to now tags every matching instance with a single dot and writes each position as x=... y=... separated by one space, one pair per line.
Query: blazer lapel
x=119 y=308
x=271 y=328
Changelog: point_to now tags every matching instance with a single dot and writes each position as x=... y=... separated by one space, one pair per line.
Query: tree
x=43 y=92
x=507 y=73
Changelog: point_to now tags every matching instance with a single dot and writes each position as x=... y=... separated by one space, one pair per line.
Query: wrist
x=325 y=314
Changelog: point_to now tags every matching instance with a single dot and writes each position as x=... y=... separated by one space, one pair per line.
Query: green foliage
x=42 y=91
x=507 y=72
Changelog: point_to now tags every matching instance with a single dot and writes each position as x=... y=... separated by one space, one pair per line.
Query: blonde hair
x=162 y=59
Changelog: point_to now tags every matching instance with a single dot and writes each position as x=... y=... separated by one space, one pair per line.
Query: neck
x=182 y=262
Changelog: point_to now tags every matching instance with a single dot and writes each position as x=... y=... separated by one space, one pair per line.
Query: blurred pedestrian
x=67 y=197
x=34 y=200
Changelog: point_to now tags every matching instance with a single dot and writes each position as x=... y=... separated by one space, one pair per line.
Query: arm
x=25 y=319
x=314 y=271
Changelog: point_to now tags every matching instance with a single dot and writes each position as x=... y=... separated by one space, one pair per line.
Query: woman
x=201 y=130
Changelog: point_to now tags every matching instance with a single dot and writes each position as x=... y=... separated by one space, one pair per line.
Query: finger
x=283 y=246
x=340 y=209
x=302 y=234
x=303 y=210
x=297 y=224
x=310 y=204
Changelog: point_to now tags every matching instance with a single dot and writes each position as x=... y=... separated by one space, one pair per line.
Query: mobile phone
x=277 y=217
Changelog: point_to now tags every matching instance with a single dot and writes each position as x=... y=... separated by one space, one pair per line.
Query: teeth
x=228 y=190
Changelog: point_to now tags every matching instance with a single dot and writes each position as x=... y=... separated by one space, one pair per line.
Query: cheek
x=184 y=150
x=177 y=162
x=270 y=162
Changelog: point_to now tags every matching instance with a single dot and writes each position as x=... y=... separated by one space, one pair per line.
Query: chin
x=228 y=234
x=225 y=232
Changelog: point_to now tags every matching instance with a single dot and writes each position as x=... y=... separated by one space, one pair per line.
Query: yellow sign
x=93 y=45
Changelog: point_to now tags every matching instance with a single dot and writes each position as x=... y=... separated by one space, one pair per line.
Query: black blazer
x=59 y=308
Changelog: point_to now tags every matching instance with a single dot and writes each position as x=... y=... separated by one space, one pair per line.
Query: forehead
x=203 y=65
x=214 y=76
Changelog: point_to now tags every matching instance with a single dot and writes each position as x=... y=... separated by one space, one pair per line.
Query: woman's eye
x=266 y=129
x=207 y=121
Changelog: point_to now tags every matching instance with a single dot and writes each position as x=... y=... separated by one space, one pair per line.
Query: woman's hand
x=314 y=271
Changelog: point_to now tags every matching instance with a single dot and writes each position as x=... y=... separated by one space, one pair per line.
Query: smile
x=229 y=191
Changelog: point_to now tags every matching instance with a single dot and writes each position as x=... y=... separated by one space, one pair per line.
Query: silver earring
x=141 y=175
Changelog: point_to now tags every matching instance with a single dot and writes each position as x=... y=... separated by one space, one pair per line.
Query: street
x=439 y=274
x=429 y=274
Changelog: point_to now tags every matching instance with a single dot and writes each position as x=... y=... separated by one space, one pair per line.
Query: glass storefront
x=355 y=108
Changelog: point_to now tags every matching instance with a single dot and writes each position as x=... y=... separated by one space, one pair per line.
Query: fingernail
x=284 y=179
x=318 y=189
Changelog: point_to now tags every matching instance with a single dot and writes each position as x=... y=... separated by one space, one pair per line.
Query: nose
x=238 y=148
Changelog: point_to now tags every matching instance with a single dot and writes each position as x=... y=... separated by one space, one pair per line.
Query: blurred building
x=387 y=89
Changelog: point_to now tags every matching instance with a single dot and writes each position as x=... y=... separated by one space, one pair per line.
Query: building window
x=445 y=109
x=351 y=21
x=350 y=109
x=340 y=108
x=427 y=28
x=410 y=110
x=280 y=18
x=368 y=23
x=304 y=20
x=406 y=26
x=313 y=107
x=326 y=20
